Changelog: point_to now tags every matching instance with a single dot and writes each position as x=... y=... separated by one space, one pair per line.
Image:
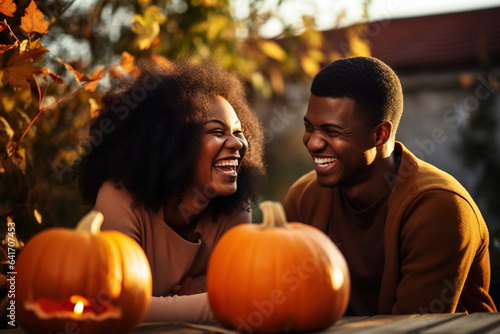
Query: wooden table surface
x=476 y=323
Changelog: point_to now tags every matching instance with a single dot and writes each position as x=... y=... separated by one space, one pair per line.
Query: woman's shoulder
x=115 y=203
x=111 y=191
x=225 y=221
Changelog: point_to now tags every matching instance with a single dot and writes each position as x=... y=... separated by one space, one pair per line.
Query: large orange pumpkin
x=277 y=276
x=82 y=281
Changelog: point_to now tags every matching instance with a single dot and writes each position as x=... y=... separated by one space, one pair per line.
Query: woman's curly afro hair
x=147 y=134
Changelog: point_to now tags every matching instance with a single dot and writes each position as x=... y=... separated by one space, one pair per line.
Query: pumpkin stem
x=91 y=222
x=273 y=214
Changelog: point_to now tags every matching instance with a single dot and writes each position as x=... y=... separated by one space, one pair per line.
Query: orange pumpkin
x=82 y=281
x=277 y=276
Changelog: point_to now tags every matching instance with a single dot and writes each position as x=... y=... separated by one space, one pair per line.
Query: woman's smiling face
x=222 y=149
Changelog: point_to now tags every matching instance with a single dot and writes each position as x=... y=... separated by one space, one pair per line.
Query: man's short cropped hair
x=371 y=83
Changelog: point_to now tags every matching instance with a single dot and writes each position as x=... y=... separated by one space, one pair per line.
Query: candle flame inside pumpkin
x=78 y=310
x=80 y=304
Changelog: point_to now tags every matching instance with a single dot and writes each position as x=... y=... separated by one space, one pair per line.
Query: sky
x=327 y=11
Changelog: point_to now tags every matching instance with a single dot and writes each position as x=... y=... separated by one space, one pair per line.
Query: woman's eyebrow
x=215 y=121
x=237 y=123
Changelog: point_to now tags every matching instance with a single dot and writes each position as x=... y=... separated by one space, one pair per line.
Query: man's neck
x=363 y=195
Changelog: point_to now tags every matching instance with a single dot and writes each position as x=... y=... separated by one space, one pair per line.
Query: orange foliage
x=21 y=65
x=20 y=69
x=7 y=7
x=33 y=20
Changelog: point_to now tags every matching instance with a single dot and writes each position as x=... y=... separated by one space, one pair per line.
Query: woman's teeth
x=232 y=163
x=227 y=165
x=323 y=162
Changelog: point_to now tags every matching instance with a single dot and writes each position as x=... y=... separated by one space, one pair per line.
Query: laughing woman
x=173 y=161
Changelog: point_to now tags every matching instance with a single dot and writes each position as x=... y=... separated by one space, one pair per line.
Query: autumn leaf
x=5 y=47
x=33 y=20
x=38 y=216
x=19 y=70
x=36 y=51
x=277 y=81
x=147 y=26
x=216 y=24
x=7 y=7
x=93 y=80
x=309 y=66
x=359 y=45
x=273 y=50
x=94 y=108
x=78 y=76
x=57 y=78
x=19 y=73
x=23 y=46
x=209 y=3
x=6 y=134
x=127 y=65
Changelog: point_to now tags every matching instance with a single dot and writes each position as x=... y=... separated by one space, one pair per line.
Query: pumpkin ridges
x=106 y=286
x=280 y=315
x=225 y=281
x=297 y=298
x=288 y=321
x=28 y=262
x=216 y=277
x=234 y=282
x=315 y=295
x=342 y=291
x=135 y=269
x=73 y=276
x=341 y=265
x=254 y=286
x=122 y=299
x=50 y=265
x=23 y=288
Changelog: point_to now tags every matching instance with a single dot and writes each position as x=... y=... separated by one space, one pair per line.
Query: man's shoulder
x=307 y=188
x=308 y=202
x=416 y=177
x=306 y=181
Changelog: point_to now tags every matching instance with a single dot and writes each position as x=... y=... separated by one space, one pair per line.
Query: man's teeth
x=323 y=162
x=232 y=163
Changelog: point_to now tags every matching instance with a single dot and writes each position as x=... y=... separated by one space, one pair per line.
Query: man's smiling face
x=338 y=141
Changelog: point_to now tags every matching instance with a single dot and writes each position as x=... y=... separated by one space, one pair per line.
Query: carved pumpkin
x=277 y=276
x=82 y=281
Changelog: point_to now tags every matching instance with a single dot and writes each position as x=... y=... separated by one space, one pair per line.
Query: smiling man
x=413 y=238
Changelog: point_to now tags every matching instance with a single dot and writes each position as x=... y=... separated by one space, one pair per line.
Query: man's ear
x=383 y=131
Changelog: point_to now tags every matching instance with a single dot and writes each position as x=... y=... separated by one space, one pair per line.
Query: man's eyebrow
x=326 y=125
